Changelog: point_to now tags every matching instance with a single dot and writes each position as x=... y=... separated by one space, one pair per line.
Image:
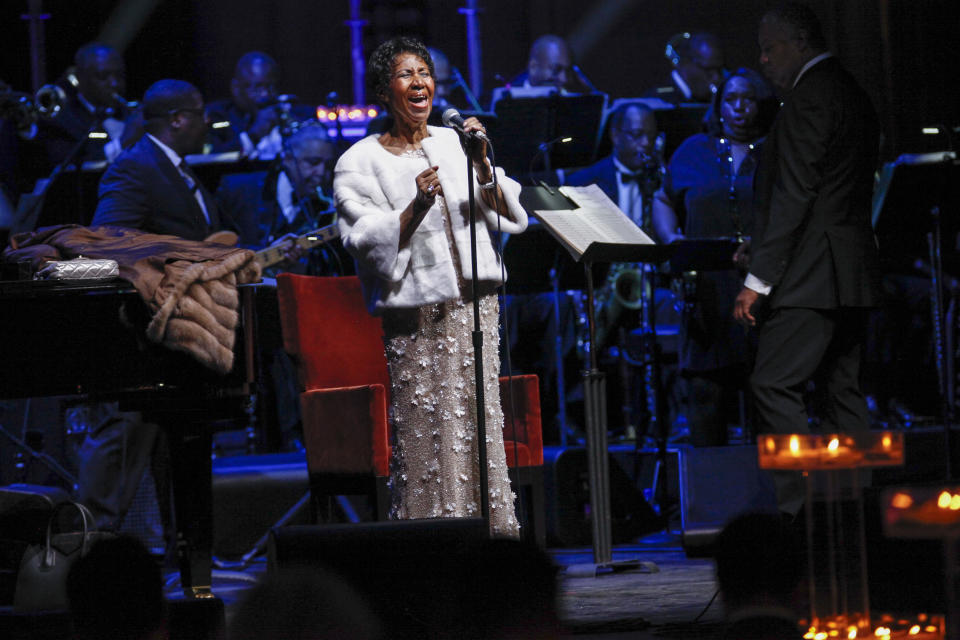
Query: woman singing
x=404 y=214
x=708 y=189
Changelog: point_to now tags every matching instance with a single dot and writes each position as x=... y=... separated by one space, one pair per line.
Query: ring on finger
x=430 y=189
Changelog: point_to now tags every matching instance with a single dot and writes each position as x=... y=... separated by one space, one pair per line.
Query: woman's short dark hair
x=767 y=103
x=380 y=65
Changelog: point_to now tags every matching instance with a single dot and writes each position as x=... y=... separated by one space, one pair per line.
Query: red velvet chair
x=523 y=442
x=341 y=366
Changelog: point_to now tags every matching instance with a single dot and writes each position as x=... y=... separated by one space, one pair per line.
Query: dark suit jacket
x=602 y=173
x=252 y=204
x=143 y=190
x=813 y=189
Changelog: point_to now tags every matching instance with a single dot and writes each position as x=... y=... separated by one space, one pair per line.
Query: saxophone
x=623 y=289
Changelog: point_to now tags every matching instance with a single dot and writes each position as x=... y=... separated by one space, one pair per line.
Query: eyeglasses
x=197 y=111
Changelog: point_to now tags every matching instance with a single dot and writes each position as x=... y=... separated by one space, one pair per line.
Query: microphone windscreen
x=452 y=118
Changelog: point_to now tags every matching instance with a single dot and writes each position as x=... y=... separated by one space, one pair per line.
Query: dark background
x=902 y=51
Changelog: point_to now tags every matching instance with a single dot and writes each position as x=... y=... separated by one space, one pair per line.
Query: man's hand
x=264 y=122
x=743 y=307
x=292 y=252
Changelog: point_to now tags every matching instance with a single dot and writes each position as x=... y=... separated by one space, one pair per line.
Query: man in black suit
x=150 y=187
x=632 y=172
x=814 y=261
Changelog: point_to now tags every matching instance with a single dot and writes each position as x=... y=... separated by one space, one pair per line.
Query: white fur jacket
x=372 y=186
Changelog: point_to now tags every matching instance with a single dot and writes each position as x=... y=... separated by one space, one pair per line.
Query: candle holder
x=929 y=513
x=831 y=466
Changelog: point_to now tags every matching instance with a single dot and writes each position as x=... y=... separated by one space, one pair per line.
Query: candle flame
x=834 y=444
x=882 y=632
x=851 y=633
x=914 y=630
x=955 y=502
x=822 y=635
x=794 y=444
x=943 y=500
x=901 y=500
x=770 y=444
x=886 y=441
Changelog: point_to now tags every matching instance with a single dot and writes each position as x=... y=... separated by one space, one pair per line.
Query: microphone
x=452 y=118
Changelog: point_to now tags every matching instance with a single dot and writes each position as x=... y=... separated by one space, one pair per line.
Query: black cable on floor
x=707 y=608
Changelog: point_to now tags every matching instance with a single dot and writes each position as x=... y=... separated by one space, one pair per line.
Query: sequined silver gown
x=434 y=469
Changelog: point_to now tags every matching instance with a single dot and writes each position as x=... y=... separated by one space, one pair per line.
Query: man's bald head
x=549 y=61
x=173 y=112
x=254 y=81
x=100 y=74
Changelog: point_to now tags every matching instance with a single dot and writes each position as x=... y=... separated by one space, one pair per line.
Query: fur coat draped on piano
x=190 y=288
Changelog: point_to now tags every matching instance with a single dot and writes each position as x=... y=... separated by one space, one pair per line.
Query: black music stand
x=588 y=244
x=524 y=125
x=915 y=208
x=70 y=198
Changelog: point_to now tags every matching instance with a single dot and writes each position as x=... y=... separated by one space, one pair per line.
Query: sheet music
x=598 y=219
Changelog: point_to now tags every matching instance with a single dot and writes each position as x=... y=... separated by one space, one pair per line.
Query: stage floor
x=630 y=604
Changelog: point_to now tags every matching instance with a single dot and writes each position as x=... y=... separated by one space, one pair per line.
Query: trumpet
x=23 y=109
x=49 y=99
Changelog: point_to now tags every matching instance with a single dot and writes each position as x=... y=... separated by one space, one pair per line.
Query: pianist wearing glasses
x=402 y=200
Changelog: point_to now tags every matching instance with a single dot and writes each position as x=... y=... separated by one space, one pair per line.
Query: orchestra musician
x=94 y=103
x=697 y=63
x=288 y=200
x=402 y=200
x=251 y=121
x=708 y=193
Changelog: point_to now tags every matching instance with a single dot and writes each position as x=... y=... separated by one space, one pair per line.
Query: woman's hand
x=428 y=187
x=476 y=147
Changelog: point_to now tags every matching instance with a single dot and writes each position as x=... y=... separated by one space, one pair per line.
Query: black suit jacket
x=143 y=190
x=813 y=240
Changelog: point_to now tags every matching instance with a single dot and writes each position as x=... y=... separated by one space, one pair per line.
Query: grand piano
x=69 y=340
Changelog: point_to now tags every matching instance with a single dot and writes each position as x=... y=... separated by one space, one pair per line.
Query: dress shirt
x=178 y=162
x=629 y=198
x=111 y=125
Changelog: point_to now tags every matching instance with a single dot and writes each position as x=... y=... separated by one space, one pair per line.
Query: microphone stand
x=458 y=81
x=28 y=219
x=478 y=353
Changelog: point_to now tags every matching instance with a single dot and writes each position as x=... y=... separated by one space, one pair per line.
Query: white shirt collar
x=170 y=153
x=810 y=63
x=622 y=168
x=285 y=197
x=678 y=80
